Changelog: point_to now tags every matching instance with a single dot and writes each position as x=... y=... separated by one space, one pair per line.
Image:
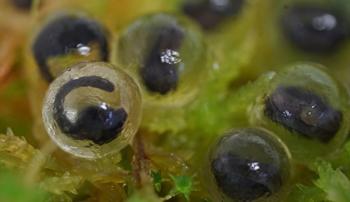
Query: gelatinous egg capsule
x=227 y=26
x=315 y=27
x=166 y=55
x=300 y=30
x=68 y=39
x=92 y=110
x=306 y=108
x=246 y=165
x=211 y=13
x=319 y=31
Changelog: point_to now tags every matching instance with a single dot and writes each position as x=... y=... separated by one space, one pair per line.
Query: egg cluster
x=249 y=95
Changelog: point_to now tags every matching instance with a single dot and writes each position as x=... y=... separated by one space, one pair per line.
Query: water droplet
x=254 y=166
x=324 y=22
x=83 y=49
x=170 y=57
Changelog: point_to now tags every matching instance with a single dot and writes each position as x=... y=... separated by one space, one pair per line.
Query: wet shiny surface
x=303 y=112
x=69 y=36
x=100 y=124
x=248 y=164
x=92 y=110
x=315 y=29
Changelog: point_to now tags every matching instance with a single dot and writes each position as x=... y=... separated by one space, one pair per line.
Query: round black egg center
x=314 y=29
x=160 y=72
x=303 y=112
x=244 y=179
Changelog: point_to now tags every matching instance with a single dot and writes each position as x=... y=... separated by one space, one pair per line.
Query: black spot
x=63 y=36
x=161 y=76
x=22 y=4
x=303 y=112
x=210 y=13
x=313 y=28
x=244 y=179
x=100 y=124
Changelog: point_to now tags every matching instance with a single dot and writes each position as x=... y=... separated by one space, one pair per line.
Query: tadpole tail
x=88 y=81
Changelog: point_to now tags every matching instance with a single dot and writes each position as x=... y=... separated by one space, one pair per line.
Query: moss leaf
x=333 y=182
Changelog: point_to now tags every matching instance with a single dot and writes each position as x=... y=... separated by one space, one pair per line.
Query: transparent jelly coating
x=315 y=26
x=67 y=39
x=306 y=108
x=248 y=164
x=167 y=56
x=92 y=110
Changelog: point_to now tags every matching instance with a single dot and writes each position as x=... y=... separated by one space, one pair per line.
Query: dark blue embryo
x=100 y=124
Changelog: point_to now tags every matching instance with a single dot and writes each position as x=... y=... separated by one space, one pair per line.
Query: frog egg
x=306 y=108
x=315 y=27
x=66 y=40
x=289 y=31
x=247 y=164
x=210 y=13
x=303 y=111
x=92 y=110
x=166 y=55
